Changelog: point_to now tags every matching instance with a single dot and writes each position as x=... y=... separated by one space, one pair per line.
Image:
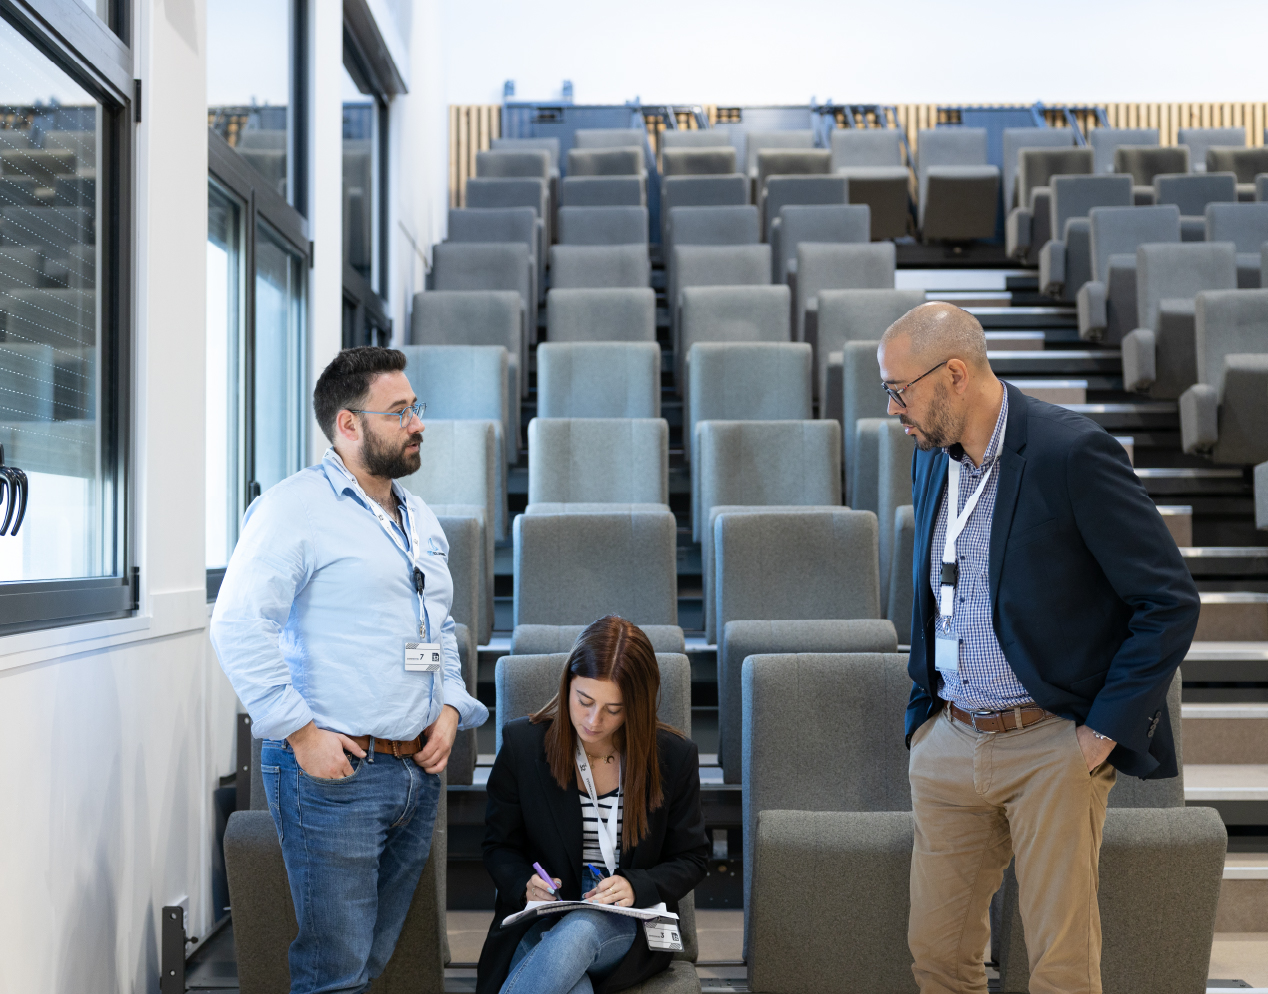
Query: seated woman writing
x=606 y=799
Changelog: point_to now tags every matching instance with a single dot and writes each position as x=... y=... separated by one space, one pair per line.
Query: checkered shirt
x=987 y=682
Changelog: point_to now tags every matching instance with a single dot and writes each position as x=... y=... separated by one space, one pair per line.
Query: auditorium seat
x=759 y=464
x=610 y=138
x=695 y=138
x=548 y=145
x=464 y=382
x=710 y=265
x=720 y=313
x=710 y=161
x=464 y=531
x=573 y=568
x=1105 y=141
x=880 y=482
x=790 y=162
x=1027 y=225
x=537 y=640
x=513 y=164
x=797 y=223
x=488 y=266
x=850 y=932
x=1224 y=414
x=603 y=191
x=1159 y=354
x=1200 y=140
x=1144 y=162
x=474 y=317
x=621 y=314
x=848 y=316
x=871 y=160
x=1065 y=261
x=526 y=192
x=1107 y=302
x=699 y=191
x=1246 y=226
x=489 y=225
x=598 y=379
x=1245 y=163
x=580 y=267
x=837 y=267
x=781 y=191
x=733 y=224
x=863 y=395
x=958 y=188
x=1017 y=139
x=605 y=162
x=598 y=461
x=899 y=603
x=756 y=142
x=603 y=226
x=1192 y=193
x=745 y=381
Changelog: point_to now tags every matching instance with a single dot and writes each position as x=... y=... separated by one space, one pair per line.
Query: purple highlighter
x=550 y=884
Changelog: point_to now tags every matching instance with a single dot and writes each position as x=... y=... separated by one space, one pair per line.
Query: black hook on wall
x=14 y=491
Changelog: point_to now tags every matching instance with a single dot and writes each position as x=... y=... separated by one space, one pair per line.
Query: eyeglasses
x=406 y=416
x=895 y=393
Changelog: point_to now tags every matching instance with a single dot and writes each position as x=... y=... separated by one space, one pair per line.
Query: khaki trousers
x=978 y=799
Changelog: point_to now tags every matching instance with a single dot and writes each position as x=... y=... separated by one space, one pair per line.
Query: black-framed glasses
x=406 y=416
x=896 y=393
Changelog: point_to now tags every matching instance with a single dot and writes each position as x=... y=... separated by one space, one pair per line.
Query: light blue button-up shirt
x=317 y=604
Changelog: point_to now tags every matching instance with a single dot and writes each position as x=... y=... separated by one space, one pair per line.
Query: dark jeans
x=354 y=850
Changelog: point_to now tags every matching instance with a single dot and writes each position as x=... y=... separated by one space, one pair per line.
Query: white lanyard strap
x=955 y=525
x=607 y=833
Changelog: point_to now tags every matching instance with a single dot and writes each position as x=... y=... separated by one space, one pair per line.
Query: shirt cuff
x=471 y=713
x=286 y=715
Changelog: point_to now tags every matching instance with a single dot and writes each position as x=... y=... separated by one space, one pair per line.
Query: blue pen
x=597 y=874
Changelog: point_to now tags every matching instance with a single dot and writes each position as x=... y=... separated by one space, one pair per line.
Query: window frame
x=87 y=49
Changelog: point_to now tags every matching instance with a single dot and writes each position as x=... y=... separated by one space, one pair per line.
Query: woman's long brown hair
x=613 y=649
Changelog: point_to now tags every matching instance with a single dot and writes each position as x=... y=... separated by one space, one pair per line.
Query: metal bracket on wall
x=172 y=948
x=242 y=773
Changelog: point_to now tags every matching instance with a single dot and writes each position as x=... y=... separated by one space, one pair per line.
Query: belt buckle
x=974 y=715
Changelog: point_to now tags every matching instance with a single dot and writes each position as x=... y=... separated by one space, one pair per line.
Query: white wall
x=919 y=51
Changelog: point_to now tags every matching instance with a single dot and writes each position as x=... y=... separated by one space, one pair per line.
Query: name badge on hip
x=946 y=655
x=423 y=657
x=663 y=935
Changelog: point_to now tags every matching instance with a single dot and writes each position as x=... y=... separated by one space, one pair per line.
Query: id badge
x=946 y=655
x=663 y=935
x=423 y=657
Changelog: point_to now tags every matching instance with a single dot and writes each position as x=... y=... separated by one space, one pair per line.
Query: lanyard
x=412 y=553
x=955 y=525
x=606 y=833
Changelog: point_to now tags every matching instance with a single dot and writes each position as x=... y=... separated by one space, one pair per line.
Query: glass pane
x=51 y=414
x=359 y=204
x=224 y=337
x=248 y=82
x=279 y=359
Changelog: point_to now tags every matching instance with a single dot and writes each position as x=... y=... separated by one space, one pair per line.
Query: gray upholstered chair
x=1159 y=355
x=871 y=160
x=1261 y=496
x=488 y=266
x=1065 y=261
x=880 y=482
x=1192 y=192
x=710 y=161
x=804 y=191
x=524 y=192
x=476 y=317
x=837 y=267
x=734 y=224
x=598 y=380
x=1106 y=303
x=603 y=226
x=1246 y=226
x=745 y=381
x=466 y=558
x=1224 y=414
x=959 y=189
x=599 y=266
x=695 y=138
x=1026 y=226
x=790 y=162
x=757 y=142
x=849 y=316
x=699 y=191
x=711 y=265
x=606 y=162
x=610 y=137
x=603 y=191
x=861 y=397
x=1105 y=141
x=460 y=382
x=572 y=568
x=548 y=145
x=1016 y=139
x=1199 y=140
x=504 y=224
x=1246 y=163
x=797 y=223
x=605 y=314
x=597 y=461
x=516 y=163
x=536 y=640
x=1144 y=162
x=727 y=314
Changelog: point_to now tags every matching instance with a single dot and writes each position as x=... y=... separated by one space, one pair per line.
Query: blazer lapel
x=565 y=809
x=1012 y=465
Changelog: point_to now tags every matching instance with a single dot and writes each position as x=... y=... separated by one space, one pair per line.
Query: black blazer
x=1092 y=603
x=531 y=819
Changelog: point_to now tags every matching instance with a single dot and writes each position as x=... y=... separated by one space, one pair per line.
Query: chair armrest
x=263 y=913
x=900 y=591
x=1017 y=229
x=1199 y=418
x=1090 y=304
x=1052 y=268
x=1140 y=365
x=1261 y=496
x=832 y=389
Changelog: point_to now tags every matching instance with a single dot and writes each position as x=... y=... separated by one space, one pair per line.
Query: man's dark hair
x=346 y=381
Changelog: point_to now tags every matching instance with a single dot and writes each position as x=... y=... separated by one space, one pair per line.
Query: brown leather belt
x=1000 y=721
x=400 y=748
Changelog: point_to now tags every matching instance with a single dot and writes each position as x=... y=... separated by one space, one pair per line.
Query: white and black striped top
x=590 y=851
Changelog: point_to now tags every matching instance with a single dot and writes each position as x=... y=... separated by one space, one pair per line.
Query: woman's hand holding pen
x=537 y=891
x=612 y=890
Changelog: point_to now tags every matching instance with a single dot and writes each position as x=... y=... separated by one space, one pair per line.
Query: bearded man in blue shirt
x=333 y=626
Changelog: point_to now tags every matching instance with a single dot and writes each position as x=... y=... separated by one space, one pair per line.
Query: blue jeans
x=354 y=850
x=562 y=954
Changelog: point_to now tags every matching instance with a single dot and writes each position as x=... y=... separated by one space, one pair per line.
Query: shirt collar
x=997 y=436
x=341 y=477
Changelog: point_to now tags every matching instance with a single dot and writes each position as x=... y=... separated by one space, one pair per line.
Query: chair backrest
x=824 y=266
x=844 y=223
x=459 y=381
x=544 y=639
x=866 y=147
x=494 y=224
x=467 y=317
x=703 y=191
x=721 y=265
x=526 y=192
x=1015 y=139
x=549 y=145
x=952 y=146
x=893 y=490
x=1074 y=196
x=597 y=266
x=514 y=163
x=605 y=162
x=791 y=162
x=1144 y=162
x=1105 y=140
x=1191 y=192
x=620 y=314
x=610 y=137
x=1169 y=793
x=1119 y=230
x=1179 y=272
x=482 y=266
x=748 y=381
x=460 y=465
x=1245 y=163
x=724 y=313
x=1228 y=322
x=695 y=138
x=698 y=161
x=602 y=191
x=598 y=379
x=1245 y=225
x=730 y=225
x=765 y=463
x=603 y=225
x=1201 y=139
x=598 y=460
x=573 y=568
x=525 y=684
x=757 y=141
x=1037 y=166
x=781 y=191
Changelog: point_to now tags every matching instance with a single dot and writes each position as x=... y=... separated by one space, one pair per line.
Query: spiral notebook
x=560 y=907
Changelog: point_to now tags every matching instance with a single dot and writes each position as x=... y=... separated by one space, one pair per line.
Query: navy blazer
x=1092 y=603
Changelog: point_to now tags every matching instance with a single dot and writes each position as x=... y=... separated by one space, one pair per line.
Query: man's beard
x=386 y=459
x=940 y=429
